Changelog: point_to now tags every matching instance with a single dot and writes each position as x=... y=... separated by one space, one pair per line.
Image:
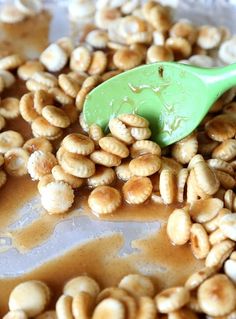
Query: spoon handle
x=219 y=80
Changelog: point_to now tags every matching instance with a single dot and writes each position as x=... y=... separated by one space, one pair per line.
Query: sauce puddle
x=42 y=228
x=15 y=193
x=148 y=211
x=18 y=37
x=100 y=259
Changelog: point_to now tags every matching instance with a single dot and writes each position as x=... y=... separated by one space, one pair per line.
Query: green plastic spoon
x=174 y=97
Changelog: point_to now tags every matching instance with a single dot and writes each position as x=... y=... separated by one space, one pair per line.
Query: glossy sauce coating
x=100 y=259
x=166 y=269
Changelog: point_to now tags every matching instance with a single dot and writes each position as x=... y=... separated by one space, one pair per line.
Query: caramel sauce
x=42 y=228
x=148 y=211
x=154 y=255
x=15 y=193
x=34 y=234
x=100 y=259
x=29 y=37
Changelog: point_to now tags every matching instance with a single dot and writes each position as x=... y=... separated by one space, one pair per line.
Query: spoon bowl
x=174 y=97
